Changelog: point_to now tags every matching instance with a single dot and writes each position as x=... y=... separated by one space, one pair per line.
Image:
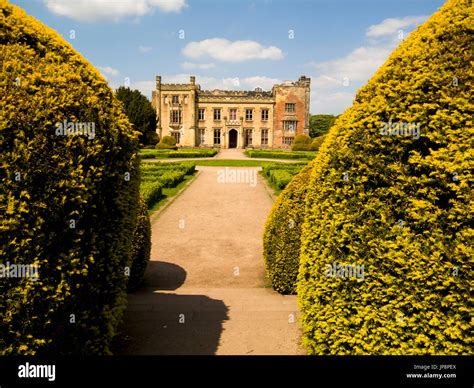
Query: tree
x=320 y=124
x=140 y=112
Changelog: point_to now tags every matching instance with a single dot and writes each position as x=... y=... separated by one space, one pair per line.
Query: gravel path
x=205 y=289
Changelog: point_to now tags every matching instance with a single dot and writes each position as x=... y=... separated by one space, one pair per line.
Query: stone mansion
x=232 y=119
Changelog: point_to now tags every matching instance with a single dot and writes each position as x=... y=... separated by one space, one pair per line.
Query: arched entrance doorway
x=233 y=138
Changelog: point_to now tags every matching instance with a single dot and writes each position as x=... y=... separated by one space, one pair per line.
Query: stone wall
x=291 y=93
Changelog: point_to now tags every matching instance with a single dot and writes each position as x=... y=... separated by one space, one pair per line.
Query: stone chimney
x=305 y=80
x=192 y=79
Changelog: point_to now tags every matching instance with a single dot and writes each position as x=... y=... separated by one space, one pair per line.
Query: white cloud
x=228 y=51
x=263 y=82
x=330 y=103
x=146 y=87
x=201 y=66
x=358 y=66
x=107 y=70
x=144 y=49
x=335 y=82
x=169 y=5
x=98 y=10
x=391 y=26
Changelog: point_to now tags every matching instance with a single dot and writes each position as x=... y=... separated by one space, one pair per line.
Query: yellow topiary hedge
x=400 y=205
x=69 y=195
x=281 y=238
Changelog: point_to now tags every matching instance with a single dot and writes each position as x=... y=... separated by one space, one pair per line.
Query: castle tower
x=291 y=111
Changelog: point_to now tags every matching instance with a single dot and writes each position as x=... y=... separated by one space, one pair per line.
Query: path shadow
x=164 y=276
x=158 y=322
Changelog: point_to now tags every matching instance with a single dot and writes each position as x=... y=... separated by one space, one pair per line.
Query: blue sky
x=237 y=44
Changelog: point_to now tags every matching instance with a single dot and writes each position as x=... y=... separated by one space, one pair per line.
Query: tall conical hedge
x=281 y=238
x=69 y=194
x=398 y=205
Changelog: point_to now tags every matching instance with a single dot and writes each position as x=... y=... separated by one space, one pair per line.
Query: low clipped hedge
x=156 y=168
x=157 y=176
x=293 y=167
x=71 y=197
x=192 y=154
x=171 y=178
x=162 y=154
x=280 y=178
x=400 y=204
x=280 y=154
x=280 y=174
x=281 y=238
x=141 y=247
x=188 y=167
x=151 y=191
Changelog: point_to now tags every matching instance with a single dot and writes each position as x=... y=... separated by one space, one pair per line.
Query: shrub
x=280 y=154
x=280 y=174
x=169 y=153
x=301 y=143
x=151 y=138
x=302 y=139
x=188 y=167
x=280 y=178
x=398 y=205
x=170 y=140
x=151 y=192
x=294 y=168
x=317 y=142
x=192 y=154
x=156 y=169
x=300 y=147
x=156 y=176
x=171 y=178
x=167 y=142
x=141 y=247
x=164 y=146
x=71 y=207
x=281 y=239
x=146 y=153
